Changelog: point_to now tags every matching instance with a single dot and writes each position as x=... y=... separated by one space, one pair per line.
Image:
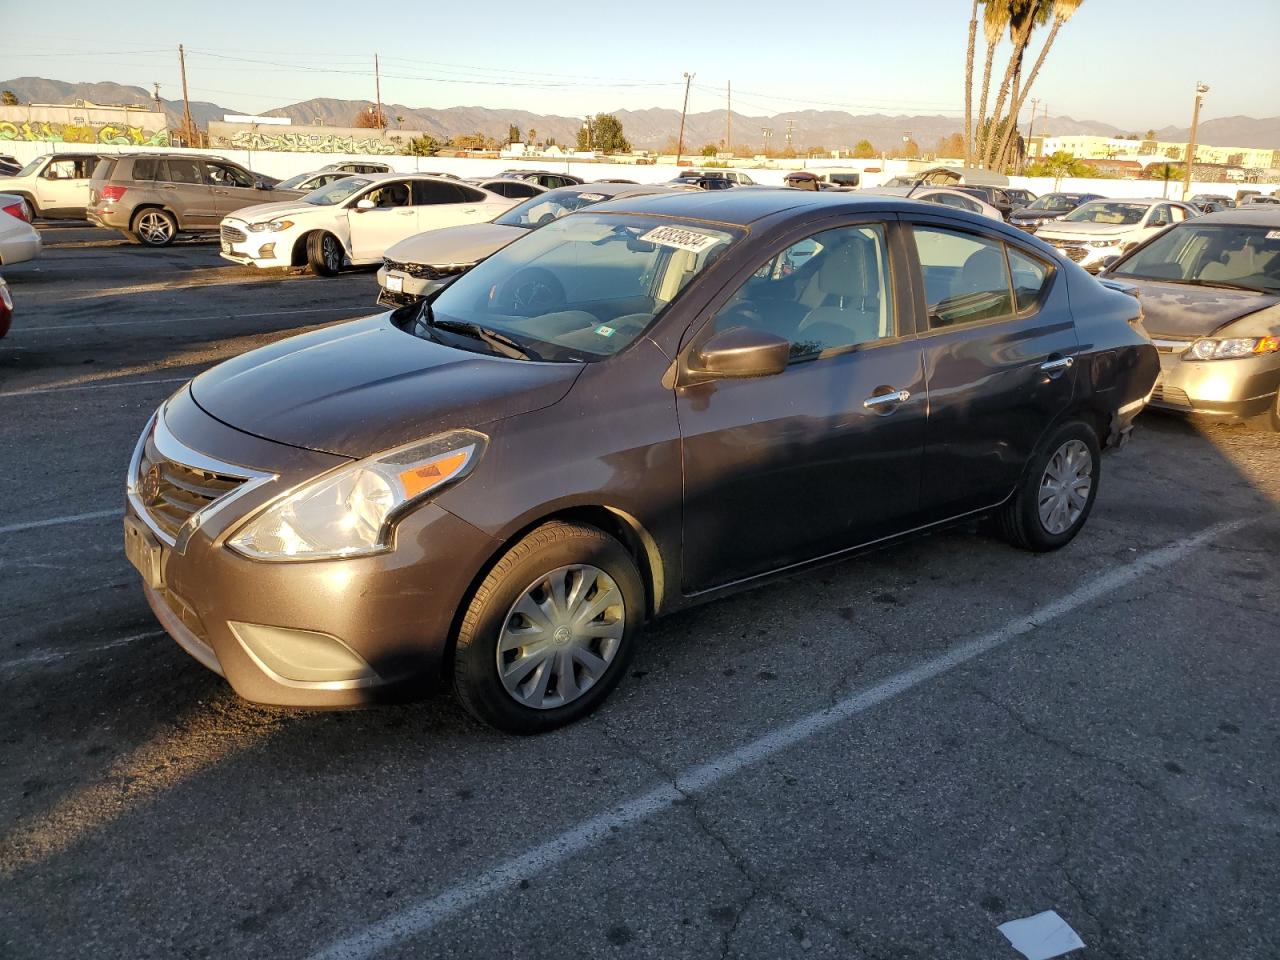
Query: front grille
x=389 y=299
x=1170 y=396
x=232 y=235
x=171 y=492
x=1075 y=254
x=423 y=271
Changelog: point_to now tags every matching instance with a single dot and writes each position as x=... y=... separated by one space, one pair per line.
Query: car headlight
x=1232 y=348
x=273 y=226
x=1104 y=243
x=353 y=510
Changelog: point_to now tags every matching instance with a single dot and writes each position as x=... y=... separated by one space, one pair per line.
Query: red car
x=6 y=307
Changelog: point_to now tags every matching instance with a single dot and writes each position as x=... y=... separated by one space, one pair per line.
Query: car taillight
x=16 y=210
x=112 y=192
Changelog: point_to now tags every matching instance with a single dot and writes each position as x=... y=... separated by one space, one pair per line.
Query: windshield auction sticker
x=681 y=238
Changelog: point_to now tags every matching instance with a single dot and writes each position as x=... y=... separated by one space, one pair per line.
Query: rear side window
x=104 y=170
x=145 y=168
x=182 y=170
x=434 y=191
x=966 y=277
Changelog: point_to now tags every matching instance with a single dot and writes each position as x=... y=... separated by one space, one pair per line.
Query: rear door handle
x=884 y=399
x=1062 y=363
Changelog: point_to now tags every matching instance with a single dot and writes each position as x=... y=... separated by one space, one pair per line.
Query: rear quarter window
x=145 y=168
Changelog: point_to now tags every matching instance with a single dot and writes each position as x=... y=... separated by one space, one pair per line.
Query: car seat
x=850 y=309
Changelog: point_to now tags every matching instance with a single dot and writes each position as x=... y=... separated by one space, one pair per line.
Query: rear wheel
x=154 y=228
x=548 y=634
x=1056 y=494
x=324 y=254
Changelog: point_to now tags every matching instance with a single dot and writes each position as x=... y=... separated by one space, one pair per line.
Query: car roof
x=1261 y=215
x=746 y=205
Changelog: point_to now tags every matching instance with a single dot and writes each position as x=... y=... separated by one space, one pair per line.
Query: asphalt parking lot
x=882 y=760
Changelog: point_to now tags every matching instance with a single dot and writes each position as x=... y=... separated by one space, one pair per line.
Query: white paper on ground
x=1042 y=937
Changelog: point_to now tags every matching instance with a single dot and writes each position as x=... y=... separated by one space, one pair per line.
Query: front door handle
x=884 y=399
x=1062 y=363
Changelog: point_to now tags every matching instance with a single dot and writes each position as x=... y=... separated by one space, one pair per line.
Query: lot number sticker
x=681 y=239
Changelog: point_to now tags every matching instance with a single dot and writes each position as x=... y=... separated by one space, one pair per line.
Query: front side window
x=225 y=175
x=394 y=194
x=966 y=278
x=579 y=289
x=61 y=170
x=826 y=292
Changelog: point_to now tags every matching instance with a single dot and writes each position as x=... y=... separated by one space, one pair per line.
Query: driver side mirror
x=1108 y=262
x=741 y=352
x=365 y=204
x=261 y=185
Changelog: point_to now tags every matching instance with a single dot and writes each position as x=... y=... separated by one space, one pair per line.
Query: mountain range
x=646 y=129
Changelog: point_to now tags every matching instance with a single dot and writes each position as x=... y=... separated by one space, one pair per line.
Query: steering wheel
x=529 y=293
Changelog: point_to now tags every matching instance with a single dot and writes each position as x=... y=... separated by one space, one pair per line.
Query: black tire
x=1019 y=520
x=324 y=254
x=153 y=227
x=548 y=548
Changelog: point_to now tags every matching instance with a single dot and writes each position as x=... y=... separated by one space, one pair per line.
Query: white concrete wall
x=287 y=164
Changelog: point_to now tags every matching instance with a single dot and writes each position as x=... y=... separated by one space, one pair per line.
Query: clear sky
x=1132 y=63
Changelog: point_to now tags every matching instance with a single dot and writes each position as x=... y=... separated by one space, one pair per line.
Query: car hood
x=280 y=208
x=1037 y=214
x=467 y=243
x=361 y=387
x=1068 y=231
x=1181 y=310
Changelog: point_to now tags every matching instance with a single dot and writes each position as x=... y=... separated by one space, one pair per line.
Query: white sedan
x=352 y=220
x=941 y=195
x=19 y=240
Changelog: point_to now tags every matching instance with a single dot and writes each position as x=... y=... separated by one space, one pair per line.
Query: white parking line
x=18 y=331
x=36 y=659
x=56 y=521
x=97 y=385
x=423 y=916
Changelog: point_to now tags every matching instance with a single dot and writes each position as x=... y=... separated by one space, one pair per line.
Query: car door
x=232 y=187
x=181 y=184
x=439 y=203
x=826 y=455
x=391 y=218
x=63 y=185
x=999 y=346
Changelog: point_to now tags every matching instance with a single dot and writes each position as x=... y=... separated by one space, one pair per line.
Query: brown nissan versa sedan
x=725 y=386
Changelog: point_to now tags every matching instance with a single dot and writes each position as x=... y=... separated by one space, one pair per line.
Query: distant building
x=1152 y=151
x=85 y=122
x=1117 y=169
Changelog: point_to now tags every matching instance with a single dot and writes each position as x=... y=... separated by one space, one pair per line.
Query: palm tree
x=1024 y=15
x=968 y=87
x=1063 y=10
x=995 y=17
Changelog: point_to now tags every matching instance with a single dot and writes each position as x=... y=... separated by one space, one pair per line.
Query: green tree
x=531 y=137
x=513 y=134
x=864 y=150
x=604 y=135
x=1165 y=172
x=710 y=149
x=1058 y=165
x=9 y=98
x=469 y=141
x=424 y=146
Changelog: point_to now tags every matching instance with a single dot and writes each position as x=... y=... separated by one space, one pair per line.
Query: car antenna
x=913 y=187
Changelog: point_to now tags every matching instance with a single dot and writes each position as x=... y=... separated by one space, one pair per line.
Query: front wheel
x=155 y=228
x=324 y=254
x=1056 y=494
x=548 y=634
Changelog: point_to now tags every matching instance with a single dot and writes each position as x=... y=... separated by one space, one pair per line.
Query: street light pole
x=688 y=78
x=1201 y=90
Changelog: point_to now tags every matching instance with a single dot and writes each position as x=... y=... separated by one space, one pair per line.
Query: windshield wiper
x=1221 y=283
x=498 y=342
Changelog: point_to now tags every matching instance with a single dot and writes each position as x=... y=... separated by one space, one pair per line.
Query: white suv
x=352 y=220
x=55 y=185
x=1095 y=233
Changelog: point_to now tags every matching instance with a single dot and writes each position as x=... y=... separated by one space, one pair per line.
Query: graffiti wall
x=299 y=139
x=71 y=124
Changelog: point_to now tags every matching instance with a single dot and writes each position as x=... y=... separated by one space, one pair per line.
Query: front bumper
x=266 y=250
x=396 y=288
x=389 y=616
x=1231 y=389
x=20 y=249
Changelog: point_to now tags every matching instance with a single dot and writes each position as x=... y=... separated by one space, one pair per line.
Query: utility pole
x=377 y=84
x=1201 y=90
x=187 y=125
x=1031 y=129
x=155 y=95
x=791 y=126
x=688 y=78
x=728 y=116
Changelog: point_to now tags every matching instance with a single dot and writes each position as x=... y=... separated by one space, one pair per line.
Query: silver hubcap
x=332 y=258
x=1065 y=486
x=559 y=638
x=154 y=227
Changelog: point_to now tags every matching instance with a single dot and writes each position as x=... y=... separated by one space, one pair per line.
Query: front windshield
x=1202 y=253
x=30 y=168
x=1108 y=212
x=337 y=191
x=580 y=288
x=545 y=207
x=293 y=182
x=1052 y=201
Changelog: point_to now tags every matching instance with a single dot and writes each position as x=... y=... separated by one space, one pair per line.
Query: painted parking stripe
x=38 y=391
x=58 y=521
x=53 y=656
x=425 y=915
x=19 y=331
